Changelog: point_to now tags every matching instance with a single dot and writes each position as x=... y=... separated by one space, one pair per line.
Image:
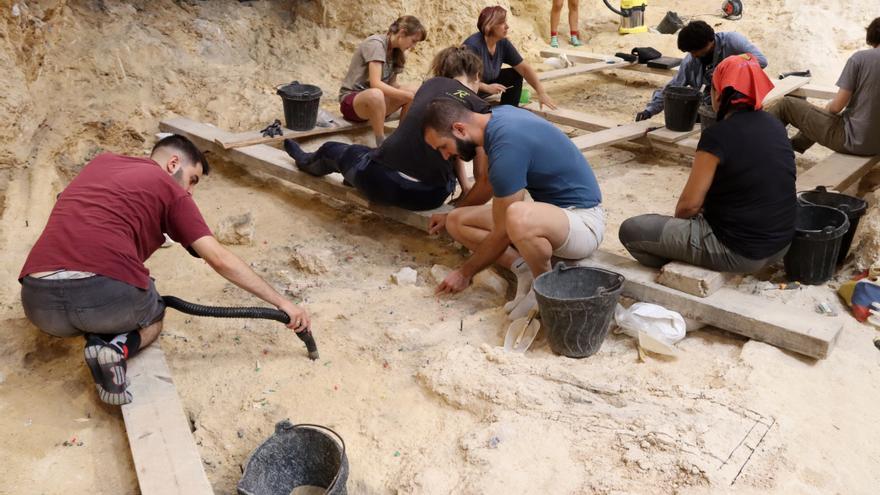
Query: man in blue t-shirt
x=526 y=153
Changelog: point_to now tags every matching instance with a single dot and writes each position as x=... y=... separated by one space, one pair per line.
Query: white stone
x=439 y=272
x=491 y=281
x=311 y=260
x=406 y=276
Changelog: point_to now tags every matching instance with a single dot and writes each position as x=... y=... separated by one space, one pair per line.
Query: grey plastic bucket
x=303 y=455
x=576 y=305
x=708 y=117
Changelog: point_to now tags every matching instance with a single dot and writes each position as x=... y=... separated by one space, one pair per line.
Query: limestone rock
x=439 y=273
x=491 y=282
x=311 y=260
x=406 y=276
x=236 y=229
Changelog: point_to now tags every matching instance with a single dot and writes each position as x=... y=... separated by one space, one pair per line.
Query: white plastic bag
x=657 y=328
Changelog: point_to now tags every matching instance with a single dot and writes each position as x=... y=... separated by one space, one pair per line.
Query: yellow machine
x=632 y=16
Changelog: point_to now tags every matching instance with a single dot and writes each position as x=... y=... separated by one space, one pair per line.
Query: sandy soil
x=417 y=386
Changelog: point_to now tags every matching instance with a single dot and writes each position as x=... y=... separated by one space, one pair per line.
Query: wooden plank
x=816 y=91
x=692 y=279
x=612 y=136
x=665 y=135
x=837 y=172
x=578 y=56
x=250 y=138
x=581 y=69
x=165 y=455
x=275 y=162
x=749 y=315
x=782 y=87
x=572 y=118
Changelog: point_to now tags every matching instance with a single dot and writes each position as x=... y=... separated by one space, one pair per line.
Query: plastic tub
x=851 y=206
x=576 y=305
x=813 y=253
x=680 y=106
x=301 y=103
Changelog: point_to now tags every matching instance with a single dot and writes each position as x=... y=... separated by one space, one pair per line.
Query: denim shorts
x=67 y=308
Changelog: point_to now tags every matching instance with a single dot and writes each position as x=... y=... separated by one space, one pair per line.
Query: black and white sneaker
x=108 y=367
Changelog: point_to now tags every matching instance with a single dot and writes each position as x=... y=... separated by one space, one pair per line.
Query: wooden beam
x=692 y=279
x=250 y=138
x=612 y=136
x=837 y=172
x=749 y=315
x=165 y=455
x=572 y=118
x=665 y=135
x=578 y=56
x=816 y=91
x=581 y=69
x=782 y=87
x=276 y=163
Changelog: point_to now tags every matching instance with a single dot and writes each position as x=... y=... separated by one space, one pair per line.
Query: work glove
x=643 y=115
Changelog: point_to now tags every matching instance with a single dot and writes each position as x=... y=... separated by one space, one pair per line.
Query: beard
x=465 y=149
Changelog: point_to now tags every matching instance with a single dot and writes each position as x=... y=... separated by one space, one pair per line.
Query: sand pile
x=416 y=385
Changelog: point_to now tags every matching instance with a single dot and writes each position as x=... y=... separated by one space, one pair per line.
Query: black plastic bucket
x=680 y=106
x=301 y=103
x=708 y=117
x=813 y=253
x=576 y=305
x=851 y=206
x=296 y=456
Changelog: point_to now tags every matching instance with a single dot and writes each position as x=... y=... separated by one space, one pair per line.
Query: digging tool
x=522 y=332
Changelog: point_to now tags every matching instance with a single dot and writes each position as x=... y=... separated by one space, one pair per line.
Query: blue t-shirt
x=527 y=152
x=505 y=53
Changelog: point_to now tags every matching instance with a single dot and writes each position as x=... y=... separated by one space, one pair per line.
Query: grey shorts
x=67 y=308
x=586 y=228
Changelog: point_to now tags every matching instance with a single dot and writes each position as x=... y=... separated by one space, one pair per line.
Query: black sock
x=128 y=343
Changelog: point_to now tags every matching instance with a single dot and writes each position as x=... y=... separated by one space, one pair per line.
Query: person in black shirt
x=404 y=171
x=737 y=210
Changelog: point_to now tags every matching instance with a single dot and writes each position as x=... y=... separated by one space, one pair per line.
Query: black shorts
x=67 y=308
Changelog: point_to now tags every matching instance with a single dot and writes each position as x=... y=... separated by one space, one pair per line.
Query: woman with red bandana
x=736 y=212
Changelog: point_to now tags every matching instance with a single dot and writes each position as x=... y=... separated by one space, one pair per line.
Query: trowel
x=522 y=332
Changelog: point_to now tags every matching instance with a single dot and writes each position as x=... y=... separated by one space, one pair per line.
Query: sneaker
x=525 y=305
x=554 y=42
x=108 y=367
x=575 y=41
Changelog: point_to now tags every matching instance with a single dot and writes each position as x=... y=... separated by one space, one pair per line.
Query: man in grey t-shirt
x=850 y=123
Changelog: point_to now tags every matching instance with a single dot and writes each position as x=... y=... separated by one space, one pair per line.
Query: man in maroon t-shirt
x=86 y=273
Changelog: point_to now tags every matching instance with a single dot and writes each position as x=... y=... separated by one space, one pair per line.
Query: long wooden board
x=276 y=163
x=612 y=136
x=250 y=138
x=749 y=315
x=837 y=172
x=581 y=69
x=583 y=57
x=165 y=455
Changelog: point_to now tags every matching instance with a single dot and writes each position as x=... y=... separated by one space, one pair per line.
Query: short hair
x=442 y=113
x=185 y=147
x=695 y=36
x=873 y=34
x=455 y=61
x=489 y=17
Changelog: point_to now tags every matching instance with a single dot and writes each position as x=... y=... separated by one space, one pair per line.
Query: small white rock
x=491 y=281
x=439 y=273
x=406 y=276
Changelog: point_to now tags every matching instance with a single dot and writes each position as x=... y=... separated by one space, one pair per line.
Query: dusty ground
x=416 y=385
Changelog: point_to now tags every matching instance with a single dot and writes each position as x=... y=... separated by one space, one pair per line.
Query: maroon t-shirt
x=110 y=219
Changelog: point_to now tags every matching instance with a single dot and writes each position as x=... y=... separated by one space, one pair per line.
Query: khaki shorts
x=586 y=228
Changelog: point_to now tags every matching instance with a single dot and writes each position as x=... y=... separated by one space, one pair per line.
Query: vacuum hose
x=226 y=312
x=623 y=13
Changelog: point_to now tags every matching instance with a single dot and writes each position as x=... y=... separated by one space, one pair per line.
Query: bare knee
x=371 y=97
x=519 y=222
x=454 y=223
x=557 y=4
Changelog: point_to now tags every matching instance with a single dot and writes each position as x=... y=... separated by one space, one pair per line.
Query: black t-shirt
x=405 y=149
x=505 y=53
x=751 y=202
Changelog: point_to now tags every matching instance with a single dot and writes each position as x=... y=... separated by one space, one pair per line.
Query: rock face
x=236 y=229
x=866 y=248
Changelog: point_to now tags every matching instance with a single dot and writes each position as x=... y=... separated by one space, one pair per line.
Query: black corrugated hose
x=252 y=312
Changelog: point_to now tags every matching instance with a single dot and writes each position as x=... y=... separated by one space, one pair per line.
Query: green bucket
x=525 y=96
